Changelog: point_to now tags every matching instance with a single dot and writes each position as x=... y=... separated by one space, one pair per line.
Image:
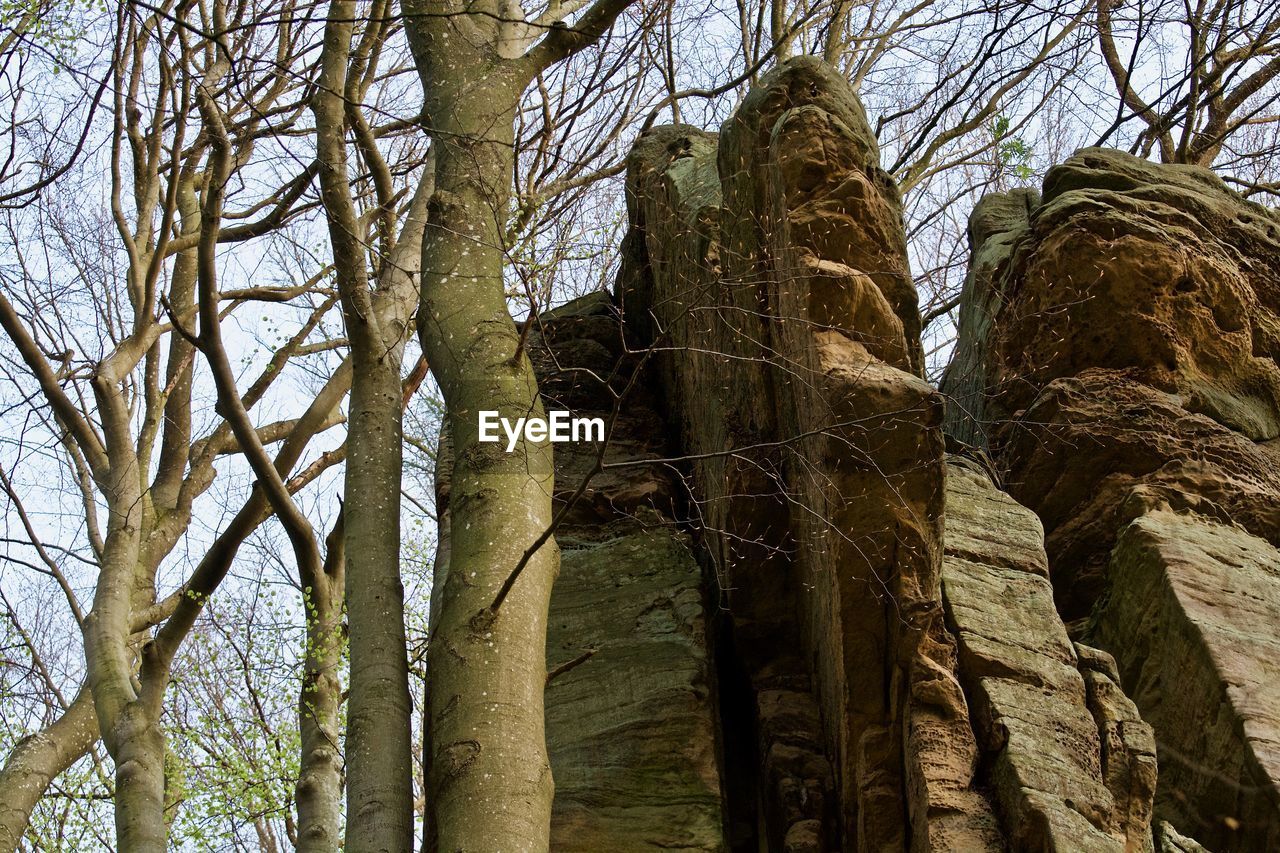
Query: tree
x=379 y=742
x=1221 y=80
x=213 y=103
x=488 y=777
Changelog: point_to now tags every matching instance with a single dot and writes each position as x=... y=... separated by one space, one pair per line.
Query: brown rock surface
x=995 y=224
x=771 y=263
x=1161 y=271
x=631 y=717
x=1119 y=343
x=1118 y=355
x=1094 y=451
x=768 y=268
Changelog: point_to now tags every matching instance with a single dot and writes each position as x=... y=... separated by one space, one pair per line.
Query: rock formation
x=1118 y=357
x=790 y=366
x=1072 y=762
x=787 y=619
x=631 y=719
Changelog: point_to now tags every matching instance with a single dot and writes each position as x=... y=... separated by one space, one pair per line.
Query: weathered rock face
x=1159 y=271
x=788 y=620
x=1071 y=763
x=1196 y=606
x=631 y=729
x=769 y=264
x=1118 y=356
x=1131 y=318
x=1096 y=450
x=631 y=720
x=997 y=220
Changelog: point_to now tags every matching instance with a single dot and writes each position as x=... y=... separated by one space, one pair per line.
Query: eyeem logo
x=558 y=427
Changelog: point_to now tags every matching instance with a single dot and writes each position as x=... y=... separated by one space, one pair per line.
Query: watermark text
x=557 y=427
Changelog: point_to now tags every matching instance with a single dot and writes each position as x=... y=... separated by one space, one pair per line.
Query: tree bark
x=489 y=784
x=37 y=760
x=139 y=755
x=379 y=745
x=487 y=670
x=489 y=780
x=129 y=723
x=318 y=793
x=379 y=727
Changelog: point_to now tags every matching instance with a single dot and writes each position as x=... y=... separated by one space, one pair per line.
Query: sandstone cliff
x=787 y=619
x=1119 y=359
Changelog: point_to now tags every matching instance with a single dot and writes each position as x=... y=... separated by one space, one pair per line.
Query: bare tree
x=488 y=777
x=1193 y=74
x=200 y=90
x=379 y=742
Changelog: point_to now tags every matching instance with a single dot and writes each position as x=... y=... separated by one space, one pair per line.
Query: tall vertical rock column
x=768 y=268
x=1119 y=352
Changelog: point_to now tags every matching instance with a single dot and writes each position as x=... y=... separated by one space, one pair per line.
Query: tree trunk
x=130 y=725
x=379 y=751
x=139 y=757
x=37 y=760
x=489 y=785
x=379 y=729
x=319 y=790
